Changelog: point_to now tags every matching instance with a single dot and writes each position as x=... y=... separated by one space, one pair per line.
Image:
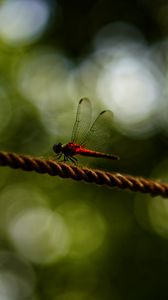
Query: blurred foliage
x=67 y=240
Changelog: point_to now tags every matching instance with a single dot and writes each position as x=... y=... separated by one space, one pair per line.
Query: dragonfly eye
x=57 y=148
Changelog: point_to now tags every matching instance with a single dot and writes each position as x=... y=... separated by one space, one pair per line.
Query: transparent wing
x=100 y=134
x=82 y=122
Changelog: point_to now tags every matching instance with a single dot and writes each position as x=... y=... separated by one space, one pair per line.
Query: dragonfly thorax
x=70 y=149
x=58 y=148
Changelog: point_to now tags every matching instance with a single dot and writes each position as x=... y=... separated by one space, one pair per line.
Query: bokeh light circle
x=40 y=235
x=129 y=81
x=16 y=277
x=158 y=215
x=87 y=228
x=44 y=78
x=129 y=87
x=22 y=21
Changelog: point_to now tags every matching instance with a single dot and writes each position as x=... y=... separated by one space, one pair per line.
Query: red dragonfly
x=82 y=132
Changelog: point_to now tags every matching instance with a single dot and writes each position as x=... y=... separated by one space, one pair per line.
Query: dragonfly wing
x=100 y=133
x=82 y=122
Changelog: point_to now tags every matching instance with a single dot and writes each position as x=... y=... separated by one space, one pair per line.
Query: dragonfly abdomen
x=86 y=152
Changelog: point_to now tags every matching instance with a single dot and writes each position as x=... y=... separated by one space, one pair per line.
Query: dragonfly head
x=57 y=148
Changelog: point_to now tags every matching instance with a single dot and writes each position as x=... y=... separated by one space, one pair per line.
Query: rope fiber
x=54 y=168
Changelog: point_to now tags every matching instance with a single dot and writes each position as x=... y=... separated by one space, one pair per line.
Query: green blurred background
x=67 y=240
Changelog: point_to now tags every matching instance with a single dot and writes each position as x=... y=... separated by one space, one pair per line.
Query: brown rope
x=53 y=168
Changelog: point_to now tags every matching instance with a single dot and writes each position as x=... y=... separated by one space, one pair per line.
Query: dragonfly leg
x=73 y=159
x=65 y=158
x=58 y=156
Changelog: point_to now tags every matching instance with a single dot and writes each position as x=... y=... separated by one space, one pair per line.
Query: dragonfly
x=83 y=132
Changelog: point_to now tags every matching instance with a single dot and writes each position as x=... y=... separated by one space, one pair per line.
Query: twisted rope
x=53 y=168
